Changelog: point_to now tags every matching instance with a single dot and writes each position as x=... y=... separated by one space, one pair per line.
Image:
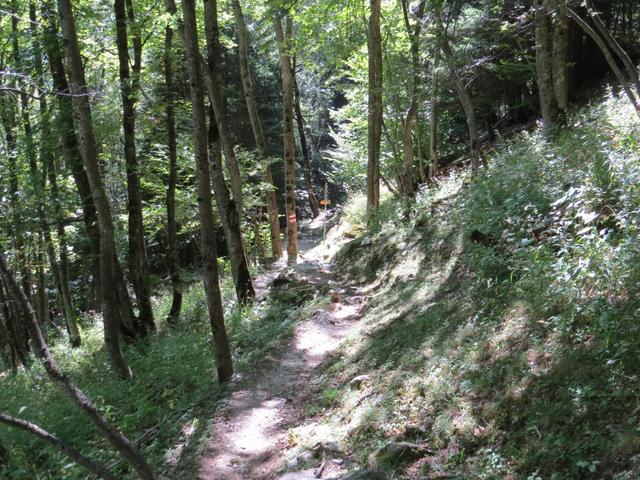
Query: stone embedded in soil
x=364 y=475
x=395 y=453
x=358 y=381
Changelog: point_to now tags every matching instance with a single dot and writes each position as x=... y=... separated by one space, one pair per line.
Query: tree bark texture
x=408 y=175
x=256 y=126
x=375 y=109
x=207 y=226
x=71 y=150
x=172 y=259
x=433 y=114
x=112 y=303
x=213 y=78
x=229 y=208
x=139 y=269
x=284 y=38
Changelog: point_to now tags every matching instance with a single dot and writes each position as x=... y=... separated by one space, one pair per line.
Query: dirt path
x=249 y=434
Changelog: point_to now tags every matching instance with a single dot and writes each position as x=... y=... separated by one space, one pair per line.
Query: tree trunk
x=38 y=181
x=207 y=226
x=16 y=328
x=256 y=126
x=112 y=304
x=615 y=46
x=466 y=102
x=9 y=123
x=95 y=468
x=408 y=175
x=609 y=57
x=545 y=56
x=433 y=117
x=284 y=39
x=560 y=56
x=229 y=208
x=375 y=109
x=172 y=259
x=77 y=396
x=138 y=262
x=71 y=149
x=304 y=147
x=213 y=79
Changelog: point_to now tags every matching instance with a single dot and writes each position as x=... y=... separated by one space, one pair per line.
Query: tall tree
x=433 y=114
x=70 y=144
x=213 y=79
x=284 y=39
x=552 y=46
x=463 y=96
x=59 y=268
x=207 y=226
x=375 y=108
x=229 y=208
x=304 y=146
x=172 y=259
x=113 y=307
x=138 y=262
x=256 y=126
x=408 y=177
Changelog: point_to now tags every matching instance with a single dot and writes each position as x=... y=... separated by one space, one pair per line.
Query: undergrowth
x=174 y=387
x=503 y=321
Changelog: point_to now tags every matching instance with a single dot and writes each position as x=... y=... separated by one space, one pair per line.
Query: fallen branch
x=94 y=467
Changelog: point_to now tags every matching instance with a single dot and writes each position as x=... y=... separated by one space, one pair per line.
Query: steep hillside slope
x=501 y=332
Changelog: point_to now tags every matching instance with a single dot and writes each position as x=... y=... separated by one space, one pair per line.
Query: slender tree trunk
x=284 y=44
x=608 y=56
x=467 y=104
x=112 y=303
x=16 y=328
x=256 y=126
x=207 y=226
x=615 y=46
x=95 y=468
x=433 y=116
x=544 y=65
x=40 y=298
x=408 y=176
x=77 y=396
x=138 y=262
x=560 y=56
x=9 y=123
x=173 y=264
x=229 y=209
x=71 y=150
x=213 y=79
x=304 y=147
x=60 y=269
x=375 y=108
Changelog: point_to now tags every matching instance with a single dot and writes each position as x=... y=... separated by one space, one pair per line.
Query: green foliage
x=174 y=384
x=506 y=314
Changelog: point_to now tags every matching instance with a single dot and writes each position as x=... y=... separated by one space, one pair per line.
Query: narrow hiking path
x=250 y=431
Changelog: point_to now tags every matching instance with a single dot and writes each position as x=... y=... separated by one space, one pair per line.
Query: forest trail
x=249 y=433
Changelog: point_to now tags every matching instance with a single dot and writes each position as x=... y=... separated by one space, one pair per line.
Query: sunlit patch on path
x=249 y=435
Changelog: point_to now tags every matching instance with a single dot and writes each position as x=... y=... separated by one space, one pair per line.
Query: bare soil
x=249 y=435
